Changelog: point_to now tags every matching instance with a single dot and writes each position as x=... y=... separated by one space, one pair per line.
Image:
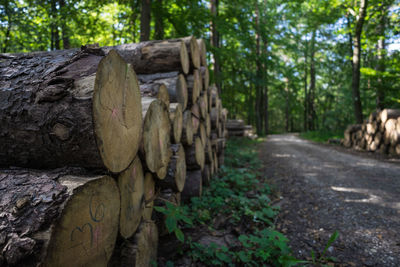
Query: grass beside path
x=321 y=136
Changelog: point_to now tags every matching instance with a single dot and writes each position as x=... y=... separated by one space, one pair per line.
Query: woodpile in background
x=379 y=133
x=238 y=128
x=92 y=138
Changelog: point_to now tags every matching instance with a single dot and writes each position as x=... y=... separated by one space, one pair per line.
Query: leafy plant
x=173 y=216
x=322 y=259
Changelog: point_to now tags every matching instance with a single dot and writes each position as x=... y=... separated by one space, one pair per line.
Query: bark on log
x=139 y=251
x=131 y=187
x=193 y=186
x=202 y=134
x=176 y=174
x=149 y=193
x=156 y=136
x=195 y=156
x=175 y=83
x=56 y=106
x=155 y=56
x=56 y=218
x=208 y=152
x=176 y=118
x=187 y=128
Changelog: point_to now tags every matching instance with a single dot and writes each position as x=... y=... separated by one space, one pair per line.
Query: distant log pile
x=379 y=133
x=238 y=128
x=91 y=139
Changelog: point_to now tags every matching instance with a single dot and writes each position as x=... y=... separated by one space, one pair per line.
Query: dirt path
x=325 y=188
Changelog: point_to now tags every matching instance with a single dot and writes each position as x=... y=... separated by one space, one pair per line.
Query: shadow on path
x=324 y=189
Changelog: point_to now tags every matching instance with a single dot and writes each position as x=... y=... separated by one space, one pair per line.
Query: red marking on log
x=114 y=113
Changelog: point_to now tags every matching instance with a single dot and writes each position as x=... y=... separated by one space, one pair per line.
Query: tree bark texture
x=57 y=218
x=56 y=110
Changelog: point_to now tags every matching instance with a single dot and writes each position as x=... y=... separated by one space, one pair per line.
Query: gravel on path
x=325 y=188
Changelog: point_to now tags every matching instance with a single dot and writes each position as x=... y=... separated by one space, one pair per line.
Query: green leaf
x=179 y=234
x=332 y=239
x=244 y=257
x=160 y=209
x=171 y=224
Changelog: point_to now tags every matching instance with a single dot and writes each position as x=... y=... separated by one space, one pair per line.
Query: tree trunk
x=356 y=62
x=176 y=174
x=59 y=219
x=381 y=50
x=158 y=20
x=156 y=136
x=311 y=96
x=57 y=110
x=64 y=28
x=131 y=187
x=145 y=20
x=305 y=87
x=175 y=83
x=215 y=42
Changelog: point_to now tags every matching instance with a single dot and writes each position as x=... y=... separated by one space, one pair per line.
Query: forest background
x=279 y=65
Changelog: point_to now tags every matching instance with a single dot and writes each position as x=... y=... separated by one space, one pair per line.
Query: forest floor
x=323 y=188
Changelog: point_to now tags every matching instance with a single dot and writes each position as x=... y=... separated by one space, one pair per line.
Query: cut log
x=155 y=56
x=193 y=186
x=208 y=152
x=163 y=94
x=195 y=118
x=187 y=128
x=215 y=118
x=149 y=193
x=216 y=165
x=207 y=124
x=175 y=83
x=156 y=136
x=176 y=118
x=131 y=187
x=205 y=78
x=194 y=51
x=55 y=218
x=202 y=103
x=195 y=156
x=203 y=52
x=387 y=114
x=202 y=134
x=194 y=86
x=140 y=250
x=176 y=174
x=206 y=175
x=56 y=106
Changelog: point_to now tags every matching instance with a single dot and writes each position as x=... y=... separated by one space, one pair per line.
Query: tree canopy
x=280 y=65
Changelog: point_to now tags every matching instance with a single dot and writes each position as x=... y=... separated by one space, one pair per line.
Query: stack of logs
x=238 y=128
x=91 y=138
x=379 y=133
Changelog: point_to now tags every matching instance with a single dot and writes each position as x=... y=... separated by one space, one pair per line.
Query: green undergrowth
x=321 y=136
x=236 y=201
